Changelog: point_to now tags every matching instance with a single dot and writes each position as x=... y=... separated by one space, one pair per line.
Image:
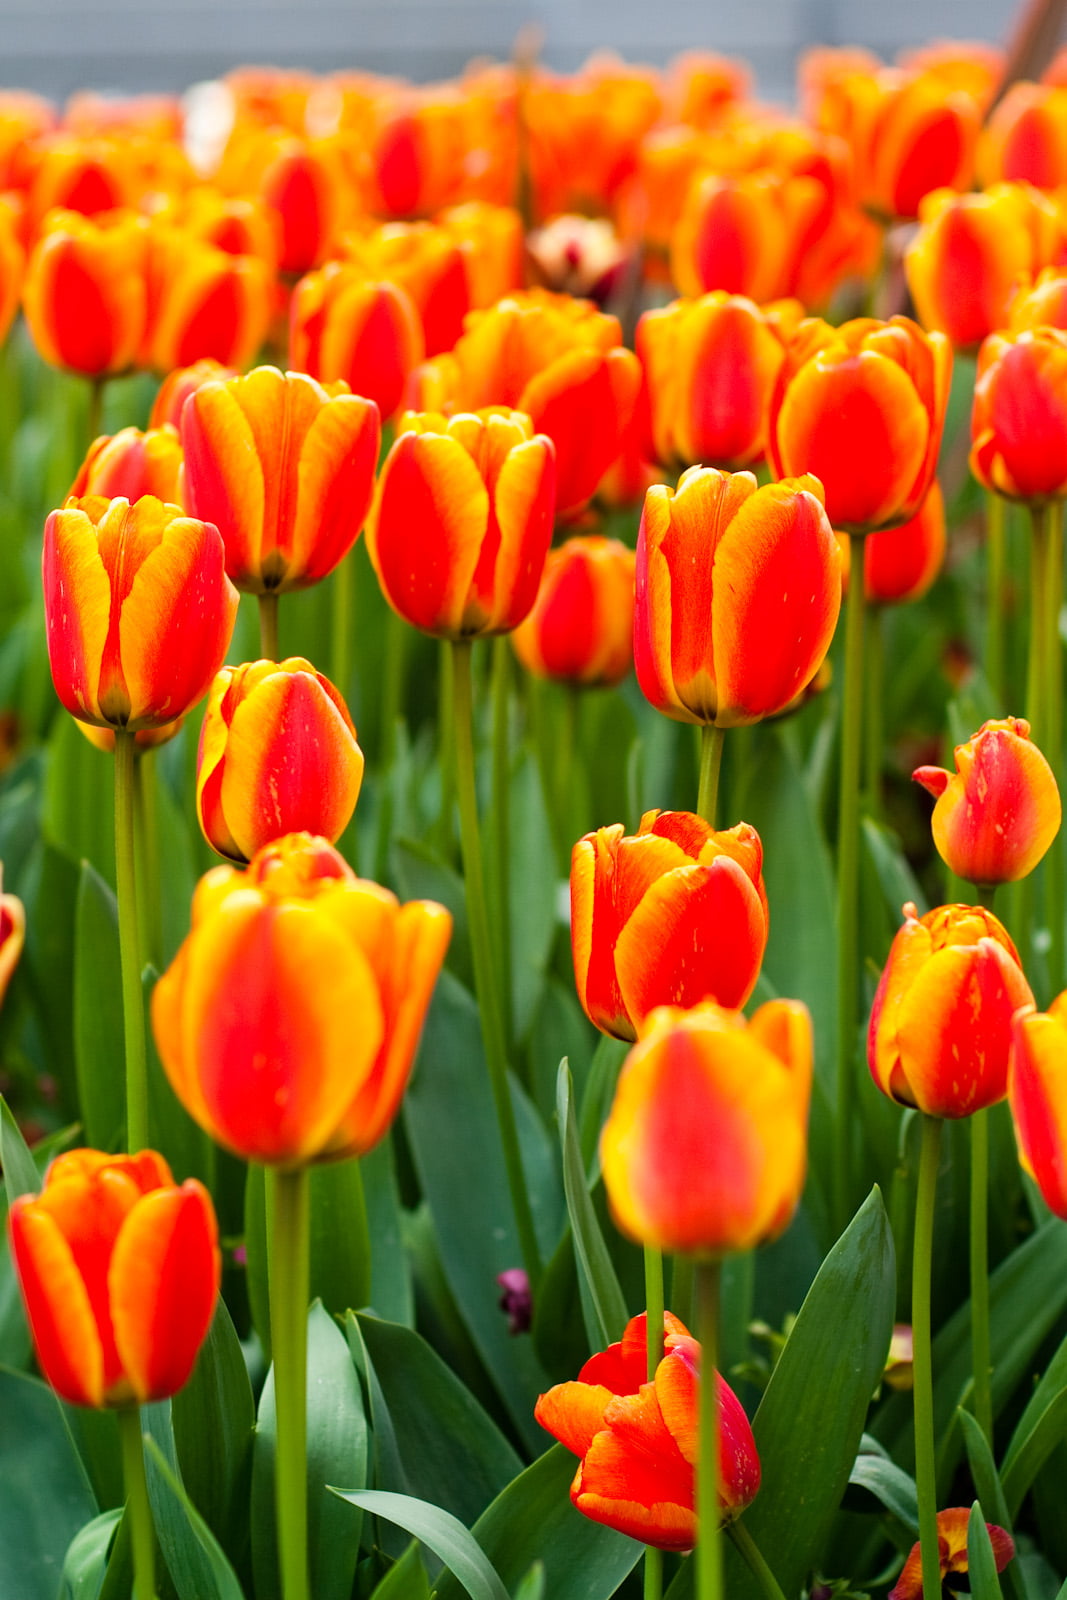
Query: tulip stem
x=268 y=626
x=138 y=1510
x=341 y=625
x=921 y=1271
x=995 y=523
x=874 y=730
x=446 y=745
x=95 y=410
x=499 y=879
x=653 y=1308
x=130 y=943
x=146 y=844
x=711 y=742
x=709 y=1544
x=1054 y=735
x=848 y=858
x=396 y=638
x=289 y=1194
x=980 y=1347
x=482 y=957
x=752 y=1555
x=653 y=1588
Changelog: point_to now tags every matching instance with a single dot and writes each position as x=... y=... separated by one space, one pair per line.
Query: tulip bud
x=278 y=754
x=177 y=386
x=131 y=464
x=203 y=303
x=1037 y=1094
x=344 y=325
x=940 y=1028
x=119 y=1270
x=705 y=1147
x=85 y=297
x=900 y=564
x=581 y=628
x=1026 y=136
x=997 y=815
x=1019 y=419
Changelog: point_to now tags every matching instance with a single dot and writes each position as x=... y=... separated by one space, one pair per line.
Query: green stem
x=446 y=746
x=653 y=1573
x=682 y=1289
x=130 y=944
x=1053 y=746
x=146 y=835
x=874 y=723
x=922 y=1263
x=344 y=578
x=396 y=638
x=289 y=1278
x=709 y=1544
x=482 y=957
x=848 y=857
x=563 y=782
x=95 y=412
x=980 y=1347
x=268 y=625
x=501 y=812
x=138 y=1510
x=711 y=742
x=747 y=1547
x=995 y=519
x=653 y=1308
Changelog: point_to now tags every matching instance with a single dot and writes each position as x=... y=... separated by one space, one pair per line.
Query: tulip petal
x=523 y=506
x=60 y=1315
x=1037 y=1089
x=634 y=1477
x=224 y=477
x=335 y=482
x=573 y=1413
x=77 y=601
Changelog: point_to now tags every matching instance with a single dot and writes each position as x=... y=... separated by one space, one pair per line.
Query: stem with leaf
x=138 y=1510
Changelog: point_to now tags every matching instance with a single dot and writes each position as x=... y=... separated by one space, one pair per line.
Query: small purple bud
x=515 y=1300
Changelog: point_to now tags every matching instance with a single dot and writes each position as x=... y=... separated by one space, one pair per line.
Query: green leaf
x=421 y=874
x=531 y=891
x=532 y=1586
x=889 y=1484
x=99 y=1041
x=594 y=1262
x=87 y=1555
x=1032 y=1451
x=256 y=1254
x=45 y=1498
x=79 y=798
x=20 y=1170
x=213 y=1419
x=1046 y=1394
x=406 y=1578
x=533 y=1520
x=337 y=1452
x=443 y=1533
x=340 y=1243
x=194 y=1559
x=392 y=1294
x=981 y=1563
x=49 y=963
x=898 y=883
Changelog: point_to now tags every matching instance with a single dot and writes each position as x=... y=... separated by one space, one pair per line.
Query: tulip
x=738 y=592
x=705 y=1147
x=12 y=268
x=710 y=370
x=138 y=610
x=288 y=1021
x=85 y=295
x=90 y=176
x=638 y=1441
x=12 y=937
x=462 y=521
x=901 y=564
x=343 y=325
x=131 y=464
x=278 y=754
x=741 y=233
x=1026 y=137
x=119 y=1269
x=674 y=915
x=1041 y=304
x=997 y=815
x=581 y=628
x=490 y=238
x=284 y=470
x=940 y=1028
x=177 y=386
x=427 y=263
x=203 y=303
x=302 y=183
x=1037 y=1078
x=1019 y=419
x=862 y=407
x=952 y=1528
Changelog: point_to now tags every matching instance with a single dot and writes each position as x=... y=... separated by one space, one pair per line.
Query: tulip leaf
x=441 y=1532
x=194 y=1558
x=86 y=1559
x=1032 y=1451
x=594 y=1263
x=337 y=1452
x=99 y=1041
x=1046 y=1397
x=49 y=962
x=533 y=1520
x=981 y=1563
x=45 y=1496
x=391 y=1293
x=532 y=1586
x=406 y=1578
x=213 y=1418
x=898 y=883
x=889 y=1484
x=532 y=886
x=21 y=1175
x=421 y=874
x=79 y=798
x=340 y=1243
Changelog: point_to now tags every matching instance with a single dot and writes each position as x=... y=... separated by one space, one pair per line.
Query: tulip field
x=533 y=931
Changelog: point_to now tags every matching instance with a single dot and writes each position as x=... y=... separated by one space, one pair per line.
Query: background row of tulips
x=686 y=485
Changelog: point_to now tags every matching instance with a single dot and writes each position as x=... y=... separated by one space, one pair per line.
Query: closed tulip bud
x=177 y=386
x=278 y=755
x=462 y=521
x=138 y=610
x=284 y=470
x=952 y=1549
x=119 y=1269
x=997 y=815
x=581 y=628
x=672 y=915
x=1019 y=418
x=427 y=263
x=863 y=408
x=343 y=325
x=85 y=297
x=710 y=370
x=940 y=1028
x=131 y=464
x=901 y=564
x=637 y=1440
x=12 y=937
x=705 y=1148
x=1037 y=1094
x=1026 y=137
x=203 y=303
x=738 y=593
x=289 y=1019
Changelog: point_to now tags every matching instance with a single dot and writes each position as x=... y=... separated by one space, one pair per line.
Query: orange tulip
x=997 y=815
x=301 y=181
x=581 y=628
x=952 y=1526
x=638 y=1440
x=940 y=1029
x=490 y=239
x=738 y=592
x=710 y=370
x=284 y=470
x=901 y=564
x=863 y=407
x=138 y=610
x=132 y=464
x=1041 y=304
x=1037 y=1078
x=705 y=1147
x=203 y=303
x=89 y=176
x=238 y=224
x=344 y=325
x=971 y=250
x=278 y=754
x=12 y=267
x=177 y=386
x=673 y=915
x=85 y=297
x=427 y=263
x=462 y=521
x=1026 y=137
x=1019 y=418
x=288 y=1021
x=12 y=937
x=741 y=233
x=119 y=1269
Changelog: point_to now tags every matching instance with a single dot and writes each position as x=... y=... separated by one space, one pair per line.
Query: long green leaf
x=443 y=1533
x=99 y=1044
x=45 y=1497
x=594 y=1262
x=981 y=1563
x=213 y=1419
x=990 y=1492
x=1047 y=1431
x=406 y=1578
x=890 y=1485
x=194 y=1558
x=340 y=1242
x=20 y=1170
